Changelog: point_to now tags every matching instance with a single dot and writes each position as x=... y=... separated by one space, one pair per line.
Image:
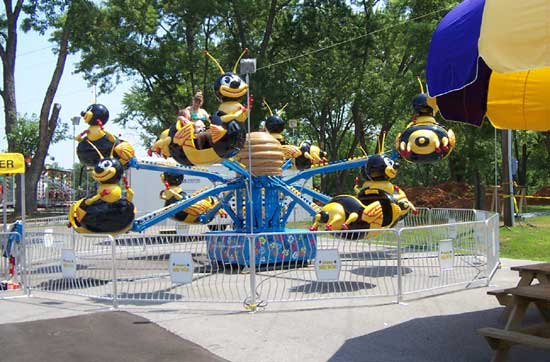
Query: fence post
x=492 y=248
x=253 y=305
x=26 y=268
x=115 y=291
x=399 y=273
x=488 y=251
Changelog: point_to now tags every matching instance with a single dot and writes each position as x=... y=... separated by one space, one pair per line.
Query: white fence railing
x=431 y=251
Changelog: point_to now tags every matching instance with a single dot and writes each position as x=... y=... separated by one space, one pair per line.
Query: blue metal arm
x=316 y=195
x=335 y=166
x=301 y=201
x=224 y=202
x=155 y=217
x=235 y=166
x=166 y=166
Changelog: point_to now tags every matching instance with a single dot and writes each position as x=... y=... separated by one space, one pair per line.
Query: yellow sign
x=11 y=163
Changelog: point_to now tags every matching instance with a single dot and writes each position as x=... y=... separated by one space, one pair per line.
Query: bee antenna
x=215 y=62
x=95 y=148
x=268 y=107
x=281 y=110
x=380 y=143
x=112 y=150
x=240 y=57
x=420 y=82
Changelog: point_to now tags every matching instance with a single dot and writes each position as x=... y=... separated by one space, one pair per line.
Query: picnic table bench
x=517 y=301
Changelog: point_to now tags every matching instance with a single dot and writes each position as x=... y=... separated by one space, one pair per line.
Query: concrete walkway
x=438 y=328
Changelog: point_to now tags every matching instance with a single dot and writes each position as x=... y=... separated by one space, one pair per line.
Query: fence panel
x=176 y=268
x=70 y=263
x=344 y=264
x=440 y=256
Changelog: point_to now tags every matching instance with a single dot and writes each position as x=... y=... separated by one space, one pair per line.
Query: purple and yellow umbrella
x=492 y=58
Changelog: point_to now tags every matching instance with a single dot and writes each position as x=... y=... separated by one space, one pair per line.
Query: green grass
x=529 y=239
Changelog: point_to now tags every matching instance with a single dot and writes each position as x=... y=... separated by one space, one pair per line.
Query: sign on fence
x=180 y=267
x=446 y=254
x=68 y=263
x=328 y=265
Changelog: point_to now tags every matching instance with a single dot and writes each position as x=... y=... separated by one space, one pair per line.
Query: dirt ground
x=459 y=195
x=445 y=195
x=544 y=192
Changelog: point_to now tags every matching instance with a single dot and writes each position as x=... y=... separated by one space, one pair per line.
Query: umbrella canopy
x=492 y=58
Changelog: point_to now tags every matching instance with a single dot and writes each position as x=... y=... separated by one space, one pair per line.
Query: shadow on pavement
x=106 y=336
x=446 y=338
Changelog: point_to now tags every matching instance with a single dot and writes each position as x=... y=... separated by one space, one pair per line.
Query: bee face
x=95 y=114
x=391 y=167
x=108 y=170
x=230 y=86
x=379 y=167
x=87 y=114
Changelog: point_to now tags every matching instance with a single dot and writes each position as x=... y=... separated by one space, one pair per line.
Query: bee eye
x=226 y=80
x=106 y=163
x=389 y=162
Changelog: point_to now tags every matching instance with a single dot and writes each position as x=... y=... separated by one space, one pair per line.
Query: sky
x=34 y=67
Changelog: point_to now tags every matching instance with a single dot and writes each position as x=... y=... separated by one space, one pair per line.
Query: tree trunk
x=522 y=162
x=241 y=31
x=8 y=51
x=7 y=54
x=479 y=192
x=48 y=121
x=37 y=165
x=268 y=30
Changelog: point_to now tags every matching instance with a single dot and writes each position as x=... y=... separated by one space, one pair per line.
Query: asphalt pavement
x=436 y=328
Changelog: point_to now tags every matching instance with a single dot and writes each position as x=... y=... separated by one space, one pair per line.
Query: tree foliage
x=347 y=70
x=26 y=134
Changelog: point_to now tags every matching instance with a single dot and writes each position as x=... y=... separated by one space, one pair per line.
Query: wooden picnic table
x=517 y=301
x=514 y=332
x=527 y=274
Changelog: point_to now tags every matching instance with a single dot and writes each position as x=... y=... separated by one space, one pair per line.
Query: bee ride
x=261 y=196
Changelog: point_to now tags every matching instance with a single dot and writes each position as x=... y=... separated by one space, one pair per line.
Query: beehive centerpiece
x=265 y=154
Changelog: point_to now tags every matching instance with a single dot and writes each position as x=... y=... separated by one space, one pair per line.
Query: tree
x=26 y=134
x=347 y=69
x=60 y=17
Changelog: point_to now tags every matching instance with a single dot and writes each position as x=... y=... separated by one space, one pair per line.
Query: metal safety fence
x=434 y=250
